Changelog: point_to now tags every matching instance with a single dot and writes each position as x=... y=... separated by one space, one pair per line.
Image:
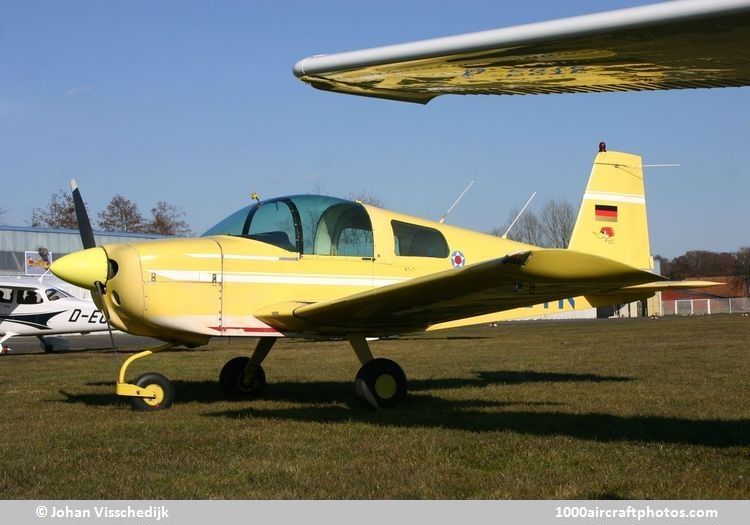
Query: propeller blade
x=84 y=225
x=100 y=290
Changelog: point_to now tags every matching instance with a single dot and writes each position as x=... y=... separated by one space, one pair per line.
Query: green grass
x=632 y=409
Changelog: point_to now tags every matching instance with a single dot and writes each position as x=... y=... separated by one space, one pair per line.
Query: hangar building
x=20 y=249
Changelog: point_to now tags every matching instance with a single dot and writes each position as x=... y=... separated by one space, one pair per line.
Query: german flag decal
x=602 y=212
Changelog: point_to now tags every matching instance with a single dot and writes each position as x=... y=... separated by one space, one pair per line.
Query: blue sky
x=195 y=103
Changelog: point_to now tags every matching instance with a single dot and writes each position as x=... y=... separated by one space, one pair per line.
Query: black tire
x=161 y=386
x=234 y=383
x=380 y=383
x=48 y=348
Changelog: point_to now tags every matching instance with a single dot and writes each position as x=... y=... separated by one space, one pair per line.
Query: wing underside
x=673 y=45
x=513 y=281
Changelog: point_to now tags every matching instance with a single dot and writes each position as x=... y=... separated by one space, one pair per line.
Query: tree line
x=701 y=263
x=552 y=227
x=120 y=215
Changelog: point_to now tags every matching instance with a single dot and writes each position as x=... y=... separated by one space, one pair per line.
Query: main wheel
x=235 y=382
x=381 y=383
x=157 y=385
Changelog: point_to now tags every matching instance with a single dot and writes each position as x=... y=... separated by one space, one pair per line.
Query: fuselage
x=302 y=248
x=39 y=310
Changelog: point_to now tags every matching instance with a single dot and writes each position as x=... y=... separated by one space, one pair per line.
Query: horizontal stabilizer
x=673 y=285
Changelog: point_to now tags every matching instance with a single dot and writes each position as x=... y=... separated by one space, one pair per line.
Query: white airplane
x=28 y=307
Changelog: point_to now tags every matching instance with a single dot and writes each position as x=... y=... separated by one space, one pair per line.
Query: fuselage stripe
x=277 y=278
x=614 y=197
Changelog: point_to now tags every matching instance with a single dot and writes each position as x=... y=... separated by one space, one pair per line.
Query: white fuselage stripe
x=277 y=278
x=243 y=257
x=614 y=197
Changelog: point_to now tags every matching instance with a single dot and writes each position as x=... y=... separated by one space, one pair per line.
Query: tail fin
x=612 y=219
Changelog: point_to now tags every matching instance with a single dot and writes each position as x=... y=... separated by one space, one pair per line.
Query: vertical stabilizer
x=612 y=218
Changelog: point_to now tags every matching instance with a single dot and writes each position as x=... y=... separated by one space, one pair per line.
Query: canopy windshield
x=306 y=224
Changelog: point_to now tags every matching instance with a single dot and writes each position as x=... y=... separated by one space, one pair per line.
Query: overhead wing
x=513 y=281
x=671 y=45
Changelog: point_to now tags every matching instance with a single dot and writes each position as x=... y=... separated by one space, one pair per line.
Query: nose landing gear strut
x=151 y=391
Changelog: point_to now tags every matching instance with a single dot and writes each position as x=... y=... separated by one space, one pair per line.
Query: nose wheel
x=150 y=391
x=157 y=392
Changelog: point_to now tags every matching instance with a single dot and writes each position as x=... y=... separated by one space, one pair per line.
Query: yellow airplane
x=320 y=267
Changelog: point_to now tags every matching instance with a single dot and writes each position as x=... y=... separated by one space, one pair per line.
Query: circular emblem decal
x=457 y=259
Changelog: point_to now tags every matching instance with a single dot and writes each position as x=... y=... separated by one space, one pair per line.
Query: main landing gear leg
x=380 y=383
x=243 y=376
x=150 y=391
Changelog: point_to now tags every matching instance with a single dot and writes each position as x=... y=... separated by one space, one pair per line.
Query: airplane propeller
x=84 y=224
x=88 y=240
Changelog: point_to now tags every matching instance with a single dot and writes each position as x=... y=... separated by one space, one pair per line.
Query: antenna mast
x=505 y=235
x=442 y=219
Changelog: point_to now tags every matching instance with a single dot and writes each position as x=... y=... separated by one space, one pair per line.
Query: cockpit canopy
x=306 y=224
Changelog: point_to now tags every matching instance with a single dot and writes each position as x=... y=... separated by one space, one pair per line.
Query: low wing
x=672 y=45
x=627 y=294
x=513 y=281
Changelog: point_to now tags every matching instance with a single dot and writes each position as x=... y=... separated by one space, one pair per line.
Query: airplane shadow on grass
x=334 y=402
x=435 y=412
x=338 y=391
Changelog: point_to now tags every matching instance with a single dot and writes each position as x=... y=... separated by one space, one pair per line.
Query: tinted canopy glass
x=307 y=224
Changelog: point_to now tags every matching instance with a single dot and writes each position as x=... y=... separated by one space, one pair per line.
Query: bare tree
x=59 y=213
x=319 y=188
x=366 y=197
x=167 y=219
x=551 y=229
x=121 y=215
x=743 y=263
x=527 y=229
x=558 y=219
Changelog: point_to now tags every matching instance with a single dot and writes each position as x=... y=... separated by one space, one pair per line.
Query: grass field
x=637 y=408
